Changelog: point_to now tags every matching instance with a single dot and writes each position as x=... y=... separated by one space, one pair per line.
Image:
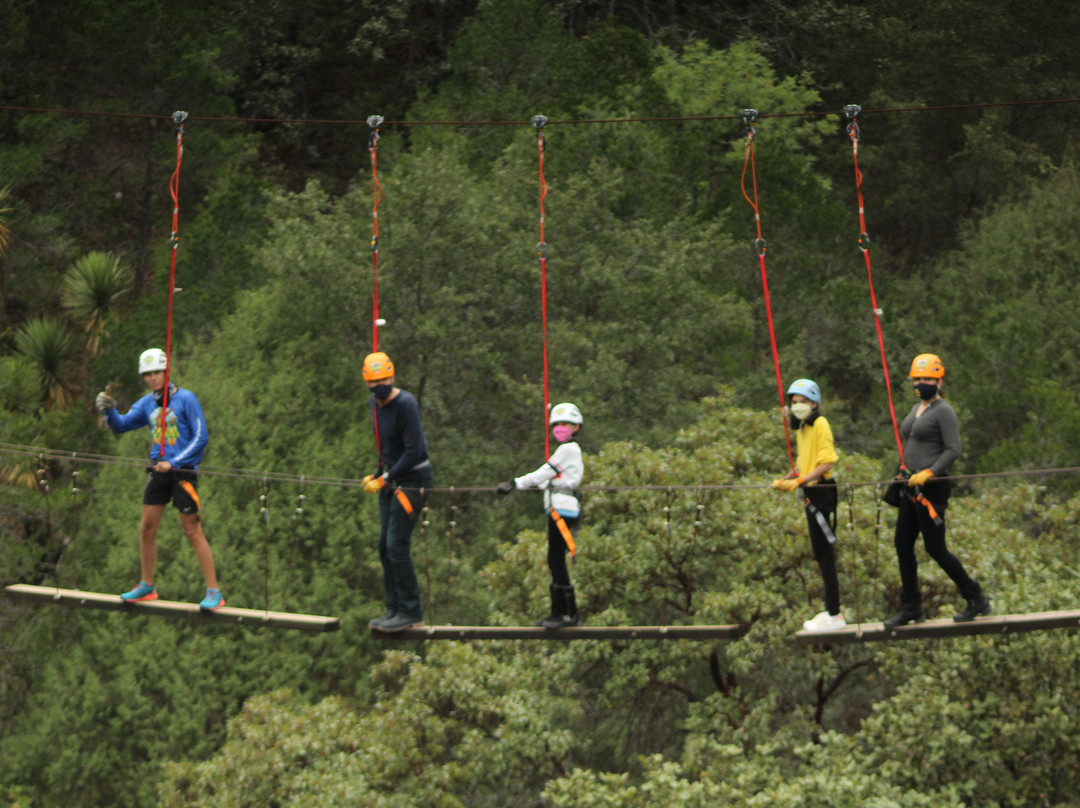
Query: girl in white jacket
x=559 y=478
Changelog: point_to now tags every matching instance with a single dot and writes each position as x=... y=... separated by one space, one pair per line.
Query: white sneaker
x=825 y=622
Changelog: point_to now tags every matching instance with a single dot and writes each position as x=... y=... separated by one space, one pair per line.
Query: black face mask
x=926 y=391
x=381 y=391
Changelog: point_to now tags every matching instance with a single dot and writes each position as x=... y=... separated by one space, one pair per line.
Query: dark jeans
x=823 y=497
x=913 y=518
x=557 y=549
x=395 y=545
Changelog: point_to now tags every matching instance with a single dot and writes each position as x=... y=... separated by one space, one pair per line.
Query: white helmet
x=152 y=359
x=565 y=413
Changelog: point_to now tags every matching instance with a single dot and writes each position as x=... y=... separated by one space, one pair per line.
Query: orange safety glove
x=373 y=484
x=920 y=477
x=789 y=484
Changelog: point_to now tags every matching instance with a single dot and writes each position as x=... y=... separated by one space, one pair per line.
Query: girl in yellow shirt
x=813 y=478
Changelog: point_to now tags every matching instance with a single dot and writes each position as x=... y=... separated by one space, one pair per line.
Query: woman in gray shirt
x=931 y=444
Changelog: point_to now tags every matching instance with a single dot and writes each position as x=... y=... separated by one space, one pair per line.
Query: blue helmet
x=806 y=388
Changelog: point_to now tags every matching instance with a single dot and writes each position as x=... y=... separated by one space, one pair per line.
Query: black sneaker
x=976 y=607
x=907 y=614
x=400 y=622
x=565 y=621
x=376 y=622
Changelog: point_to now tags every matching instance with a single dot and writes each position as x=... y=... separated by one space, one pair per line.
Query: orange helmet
x=377 y=366
x=927 y=365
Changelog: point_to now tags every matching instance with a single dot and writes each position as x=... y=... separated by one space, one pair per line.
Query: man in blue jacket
x=179 y=439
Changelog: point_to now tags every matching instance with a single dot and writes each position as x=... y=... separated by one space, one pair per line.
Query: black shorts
x=176 y=485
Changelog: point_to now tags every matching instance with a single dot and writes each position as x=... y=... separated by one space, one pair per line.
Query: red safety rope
x=377 y=191
x=539 y=121
x=852 y=111
x=375 y=121
x=749 y=116
x=174 y=191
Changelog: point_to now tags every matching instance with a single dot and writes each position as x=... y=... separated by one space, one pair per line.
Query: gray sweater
x=933 y=439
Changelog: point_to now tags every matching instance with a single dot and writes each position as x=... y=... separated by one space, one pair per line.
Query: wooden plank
x=575 y=633
x=249 y=618
x=996 y=624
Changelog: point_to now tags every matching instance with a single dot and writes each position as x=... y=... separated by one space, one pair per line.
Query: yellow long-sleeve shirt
x=815 y=446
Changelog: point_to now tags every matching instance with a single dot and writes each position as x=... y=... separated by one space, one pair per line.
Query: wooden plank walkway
x=575 y=633
x=995 y=624
x=248 y=618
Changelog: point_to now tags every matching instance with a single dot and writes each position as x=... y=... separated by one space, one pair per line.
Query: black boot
x=558 y=607
x=977 y=605
x=909 y=613
x=567 y=614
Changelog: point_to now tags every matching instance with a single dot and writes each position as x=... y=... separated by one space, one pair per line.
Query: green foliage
x=654 y=298
x=94 y=287
x=50 y=346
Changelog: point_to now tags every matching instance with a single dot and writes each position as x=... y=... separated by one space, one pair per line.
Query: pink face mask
x=562 y=432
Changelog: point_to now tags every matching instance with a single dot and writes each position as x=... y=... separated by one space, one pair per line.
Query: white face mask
x=802 y=410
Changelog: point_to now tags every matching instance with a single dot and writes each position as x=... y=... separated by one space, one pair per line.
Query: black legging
x=824 y=499
x=914 y=518
x=825 y=555
x=560 y=575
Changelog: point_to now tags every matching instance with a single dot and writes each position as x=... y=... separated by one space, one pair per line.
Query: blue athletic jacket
x=185 y=427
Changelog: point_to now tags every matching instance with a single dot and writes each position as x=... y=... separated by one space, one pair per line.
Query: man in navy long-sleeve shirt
x=402 y=482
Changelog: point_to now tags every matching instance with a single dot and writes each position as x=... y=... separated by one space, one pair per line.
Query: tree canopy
x=657 y=330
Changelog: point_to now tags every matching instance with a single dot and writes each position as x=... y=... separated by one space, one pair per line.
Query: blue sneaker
x=143 y=591
x=213 y=600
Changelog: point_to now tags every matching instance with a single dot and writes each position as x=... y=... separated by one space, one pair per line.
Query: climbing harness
x=823 y=523
x=564 y=530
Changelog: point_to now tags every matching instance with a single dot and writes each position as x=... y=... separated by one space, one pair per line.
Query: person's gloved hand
x=104 y=402
x=505 y=487
x=790 y=484
x=373 y=484
x=920 y=477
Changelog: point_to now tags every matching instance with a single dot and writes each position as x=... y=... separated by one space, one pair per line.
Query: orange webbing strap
x=749 y=116
x=539 y=122
x=564 y=529
x=852 y=111
x=174 y=190
x=191 y=493
x=375 y=121
x=929 y=507
x=404 y=500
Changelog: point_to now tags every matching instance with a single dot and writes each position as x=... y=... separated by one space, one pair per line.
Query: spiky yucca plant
x=94 y=287
x=49 y=344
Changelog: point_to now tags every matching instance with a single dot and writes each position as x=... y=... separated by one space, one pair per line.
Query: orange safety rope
x=174 y=189
x=760 y=246
x=375 y=121
x=540 y=121
x=852 y=112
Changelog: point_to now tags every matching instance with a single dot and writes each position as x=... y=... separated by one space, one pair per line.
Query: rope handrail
x=347 y=482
